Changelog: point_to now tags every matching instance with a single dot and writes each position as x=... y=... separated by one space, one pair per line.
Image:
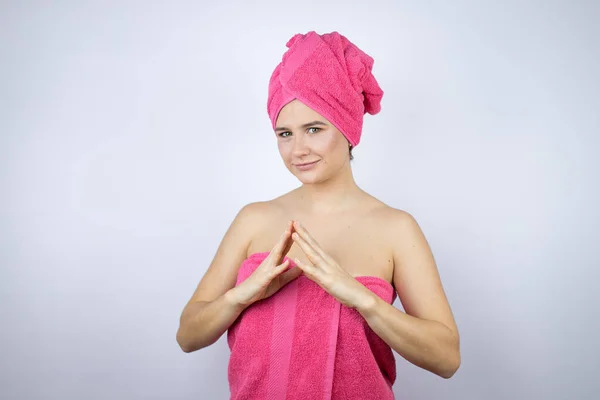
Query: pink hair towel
x=302 y=344
x=329 y=74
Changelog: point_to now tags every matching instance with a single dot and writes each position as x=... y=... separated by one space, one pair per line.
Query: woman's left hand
x=326 y=273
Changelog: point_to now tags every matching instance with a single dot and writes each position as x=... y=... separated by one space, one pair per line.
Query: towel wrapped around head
x=329 y=74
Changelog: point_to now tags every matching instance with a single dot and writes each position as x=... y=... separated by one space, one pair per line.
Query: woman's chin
x=308 y=179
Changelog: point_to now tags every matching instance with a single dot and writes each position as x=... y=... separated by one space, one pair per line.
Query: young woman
x=304 y=283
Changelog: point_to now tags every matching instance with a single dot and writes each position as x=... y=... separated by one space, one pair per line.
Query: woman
x=304 y=283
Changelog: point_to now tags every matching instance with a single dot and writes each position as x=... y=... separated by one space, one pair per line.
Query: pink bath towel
x=329 y=74
x=302 y=344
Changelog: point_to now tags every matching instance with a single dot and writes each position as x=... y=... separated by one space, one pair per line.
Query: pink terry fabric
x=302 y=344
x=329 y=74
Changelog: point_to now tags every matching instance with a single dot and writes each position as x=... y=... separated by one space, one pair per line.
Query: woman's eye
x=284 y=134
x=315 y=130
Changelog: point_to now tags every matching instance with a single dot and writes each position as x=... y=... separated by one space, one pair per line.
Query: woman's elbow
x=186 y=348
x=185 y=343
x=451 y=366
x=189 y=343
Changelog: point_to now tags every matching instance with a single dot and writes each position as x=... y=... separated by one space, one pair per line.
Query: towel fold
x=302 y=344
x=329 y=74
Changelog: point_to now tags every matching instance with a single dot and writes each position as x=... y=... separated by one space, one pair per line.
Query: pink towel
x=302 y=344
x=332 y=76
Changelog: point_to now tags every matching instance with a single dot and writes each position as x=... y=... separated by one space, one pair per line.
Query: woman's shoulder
x=258 y=213
x=271 y=207
x=258 y=210
x=386 y=216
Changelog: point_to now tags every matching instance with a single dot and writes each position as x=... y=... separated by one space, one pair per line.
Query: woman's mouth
x=306 y=166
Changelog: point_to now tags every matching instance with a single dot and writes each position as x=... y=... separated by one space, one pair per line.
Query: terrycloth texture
x=329 y=74
x=302 y=344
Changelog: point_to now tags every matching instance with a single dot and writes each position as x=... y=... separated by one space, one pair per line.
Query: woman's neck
x=330 y=196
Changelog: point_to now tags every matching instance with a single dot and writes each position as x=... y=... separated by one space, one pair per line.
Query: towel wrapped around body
x=302 y=344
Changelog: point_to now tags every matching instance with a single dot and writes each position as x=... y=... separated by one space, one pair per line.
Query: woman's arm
x=203 y=322
x=212 y=308
x=426 y=335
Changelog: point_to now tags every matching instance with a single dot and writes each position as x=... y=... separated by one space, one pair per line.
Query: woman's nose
x=300 y=146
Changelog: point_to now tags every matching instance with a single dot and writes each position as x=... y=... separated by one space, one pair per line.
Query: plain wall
x=131 y=133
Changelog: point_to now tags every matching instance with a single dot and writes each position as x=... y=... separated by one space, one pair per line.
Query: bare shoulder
x=390 y=219
x=232 y=251
x=260 y=212
x=399 y=221
x=405 y=233
x=401 y=232
x=254 y=212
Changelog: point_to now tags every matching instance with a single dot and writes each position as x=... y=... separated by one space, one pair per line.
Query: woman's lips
x=306 y=166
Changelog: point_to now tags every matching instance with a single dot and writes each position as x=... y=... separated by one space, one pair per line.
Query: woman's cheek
x=284 y=149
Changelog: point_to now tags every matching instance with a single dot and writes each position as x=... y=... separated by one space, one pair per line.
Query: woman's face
x=312 y=148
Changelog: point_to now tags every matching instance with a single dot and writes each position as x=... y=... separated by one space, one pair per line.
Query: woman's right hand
x=269 y=277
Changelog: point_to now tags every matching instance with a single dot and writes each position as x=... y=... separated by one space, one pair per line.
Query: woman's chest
x=360 y=246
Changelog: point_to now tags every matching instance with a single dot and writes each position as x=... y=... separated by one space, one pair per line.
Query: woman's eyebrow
x=283 y=128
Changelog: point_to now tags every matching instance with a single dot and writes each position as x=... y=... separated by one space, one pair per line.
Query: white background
x=131 y=133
